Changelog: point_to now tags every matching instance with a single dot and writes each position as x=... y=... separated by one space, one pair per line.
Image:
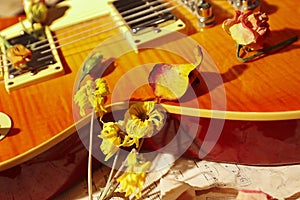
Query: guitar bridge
x=44 y=64
x=142 y=21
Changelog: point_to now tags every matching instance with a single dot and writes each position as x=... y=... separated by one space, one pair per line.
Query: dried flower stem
x=112 y=184
x=112 y=181
x=90 y=187
x=277 y=46
x=109 y=180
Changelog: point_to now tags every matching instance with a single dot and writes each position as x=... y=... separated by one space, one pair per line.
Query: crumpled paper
x=180 y=179
x=187 y=176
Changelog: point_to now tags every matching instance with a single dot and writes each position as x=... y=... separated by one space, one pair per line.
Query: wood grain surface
x=42 y=114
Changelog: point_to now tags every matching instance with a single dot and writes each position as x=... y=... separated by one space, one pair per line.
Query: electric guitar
x=251 y=110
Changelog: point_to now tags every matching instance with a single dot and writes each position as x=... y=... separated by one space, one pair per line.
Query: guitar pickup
x=39 y=59
x=142 y=21
x=44 y=64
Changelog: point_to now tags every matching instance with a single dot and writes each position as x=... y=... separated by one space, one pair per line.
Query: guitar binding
x=44 y=65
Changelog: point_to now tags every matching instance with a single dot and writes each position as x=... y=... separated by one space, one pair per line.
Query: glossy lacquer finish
x=245 y=112
x=48 y=174
x=253 y=142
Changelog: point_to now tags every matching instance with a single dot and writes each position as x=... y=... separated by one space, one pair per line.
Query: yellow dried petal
x=131 y=183
x=142 y=119
x=111 y=139
x=102 y=87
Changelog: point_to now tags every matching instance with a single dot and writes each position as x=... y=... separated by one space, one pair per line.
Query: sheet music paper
x=184 y=179
x=279 y=182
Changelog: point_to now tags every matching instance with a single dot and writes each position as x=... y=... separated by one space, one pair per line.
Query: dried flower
x=82 y=96
x=18 y=55
x=92 y=94
x=36 y=10
x=248 y=29
x=100 y=93
x=111 y=139
x=133 y=179
x=101 y=87
x=142 y=119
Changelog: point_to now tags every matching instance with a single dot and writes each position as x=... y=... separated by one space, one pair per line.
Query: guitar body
x=246 y=113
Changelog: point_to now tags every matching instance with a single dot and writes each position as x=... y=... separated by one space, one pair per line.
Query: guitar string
x=154 y=8
x=96 y=22
x=69 y=37
x=72 y=28
x=89 y=24
x=103 y=25
x=141 y=7
x=122 y=13
x=65 y=44
x=116 y=26
x=97 y=27
x=106 y=30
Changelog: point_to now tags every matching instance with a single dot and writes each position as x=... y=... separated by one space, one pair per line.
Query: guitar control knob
x=5 y=125
x=250 y=5
x=205 y=14
x=245 y=5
